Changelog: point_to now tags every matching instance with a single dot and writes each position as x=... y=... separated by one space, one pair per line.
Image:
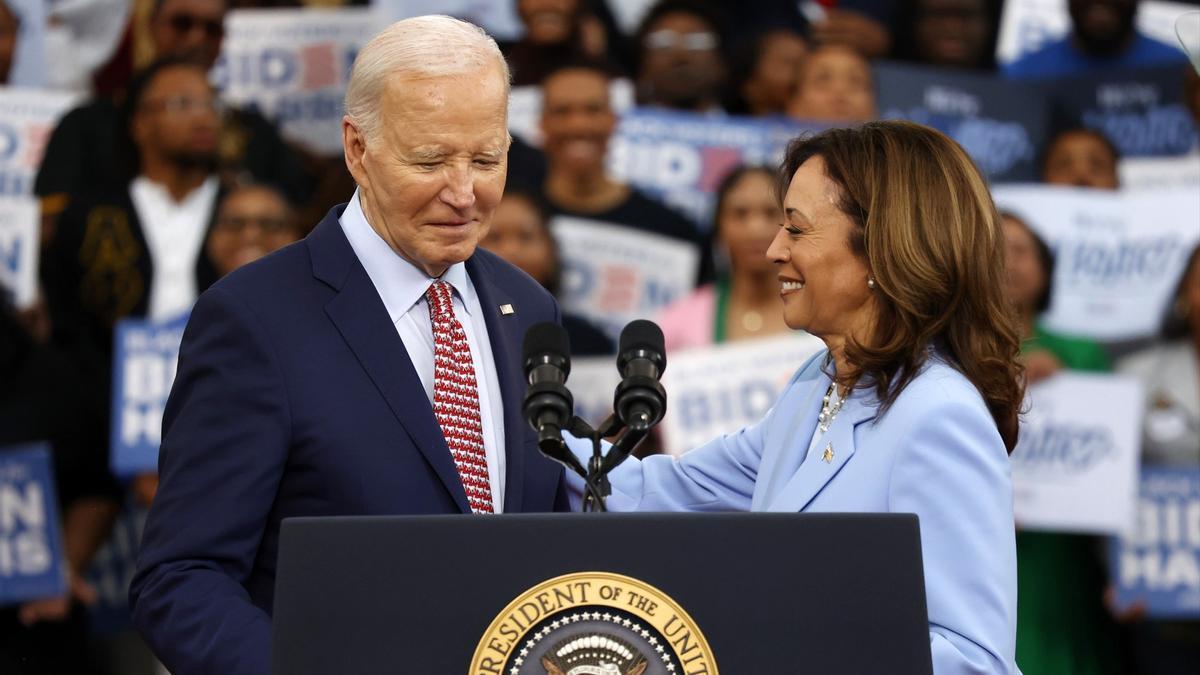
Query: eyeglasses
x=186 y=23
x=692 y=42
x=266 y=224
x=184 y=105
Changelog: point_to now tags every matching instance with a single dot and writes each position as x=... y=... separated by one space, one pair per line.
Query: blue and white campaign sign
x=1142 y=111
x=27 y=116
x=293 y=66
x=1075 y=465
x=1001 y=124
x=1026 y=25
x=145 y=356
x=1118 y=255
x=613 y=274
x=499 y=19
x=19 y=229
x=721 y=389
x=1157 y=566
x=1160 y=173
x=31 y=550
x=679 y=158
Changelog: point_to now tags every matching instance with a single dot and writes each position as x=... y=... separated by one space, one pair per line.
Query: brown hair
x=927 y=228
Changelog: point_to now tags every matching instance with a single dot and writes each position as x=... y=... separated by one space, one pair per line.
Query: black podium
x=619 y=594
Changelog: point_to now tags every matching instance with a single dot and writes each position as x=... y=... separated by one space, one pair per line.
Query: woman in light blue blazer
x=891 y=252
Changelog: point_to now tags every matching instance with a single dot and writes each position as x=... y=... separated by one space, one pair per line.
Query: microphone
x=548 y=404
x=640 y=399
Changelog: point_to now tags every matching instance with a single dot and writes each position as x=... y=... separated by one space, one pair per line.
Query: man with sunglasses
x=83 y=150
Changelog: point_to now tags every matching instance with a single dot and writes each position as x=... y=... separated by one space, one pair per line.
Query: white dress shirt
x=174 y=233
x=402 y=286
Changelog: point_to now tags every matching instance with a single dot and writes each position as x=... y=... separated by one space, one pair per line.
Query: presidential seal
x=593 y=623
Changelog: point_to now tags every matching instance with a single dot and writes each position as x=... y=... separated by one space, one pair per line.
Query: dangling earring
x=871 y=283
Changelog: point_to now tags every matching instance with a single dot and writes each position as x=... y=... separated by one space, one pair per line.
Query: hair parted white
x=419 y=47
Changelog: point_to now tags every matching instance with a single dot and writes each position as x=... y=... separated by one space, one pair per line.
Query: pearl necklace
x=829 y=410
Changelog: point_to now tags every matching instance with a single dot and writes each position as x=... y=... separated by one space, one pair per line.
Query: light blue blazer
x=936 y=453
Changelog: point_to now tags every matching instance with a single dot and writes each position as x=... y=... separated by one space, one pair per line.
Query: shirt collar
x=400 y=283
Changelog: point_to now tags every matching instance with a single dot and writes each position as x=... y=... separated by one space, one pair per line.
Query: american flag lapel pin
x=507 y=309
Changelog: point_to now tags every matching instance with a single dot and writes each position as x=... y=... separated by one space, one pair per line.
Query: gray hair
x=422 y=46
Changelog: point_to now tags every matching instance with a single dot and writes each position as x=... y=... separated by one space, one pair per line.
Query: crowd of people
x=154 y=187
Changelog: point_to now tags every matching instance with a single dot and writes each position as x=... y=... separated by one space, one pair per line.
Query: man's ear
x=354 y=147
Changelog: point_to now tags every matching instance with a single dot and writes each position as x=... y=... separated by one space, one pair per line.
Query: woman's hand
x=1040 y=365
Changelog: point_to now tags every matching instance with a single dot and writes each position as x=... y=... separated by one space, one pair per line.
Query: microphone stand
x=596 y=485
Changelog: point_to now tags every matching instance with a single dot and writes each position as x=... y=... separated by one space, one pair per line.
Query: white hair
x=422 y=46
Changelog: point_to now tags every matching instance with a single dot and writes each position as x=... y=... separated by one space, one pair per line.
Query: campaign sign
x=1000 y=124
x=680 y=158
x=1157 y=566
x=1160 y=173
x=1027 y=25
x=19 y=229
x=721 y=389
x=1118 y=255
x=613 y=274
x=1075 y=465
x=1142 y=111
x=27 y=116
x=145 y=356
x=292 y=65
x=31 y=551
x=593 y=382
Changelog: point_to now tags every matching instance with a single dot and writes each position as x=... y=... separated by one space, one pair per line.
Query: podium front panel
x=742 y=594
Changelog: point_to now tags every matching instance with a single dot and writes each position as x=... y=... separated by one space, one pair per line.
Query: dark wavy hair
x=926 y=227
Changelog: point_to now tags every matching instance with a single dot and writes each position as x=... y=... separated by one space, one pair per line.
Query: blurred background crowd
x=152 y=181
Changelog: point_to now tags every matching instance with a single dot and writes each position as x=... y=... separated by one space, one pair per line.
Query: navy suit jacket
x=295 y=396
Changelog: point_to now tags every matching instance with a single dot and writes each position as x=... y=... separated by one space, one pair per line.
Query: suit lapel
x=780 y=458
x=363 y=321
x=827 y=457
x=505 y=335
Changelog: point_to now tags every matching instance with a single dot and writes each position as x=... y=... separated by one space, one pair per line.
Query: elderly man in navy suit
x=372 y=368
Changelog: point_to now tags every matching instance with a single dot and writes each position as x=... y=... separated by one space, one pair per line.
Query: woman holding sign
x=890 y=251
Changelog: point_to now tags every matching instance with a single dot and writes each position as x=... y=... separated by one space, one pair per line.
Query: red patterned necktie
x=456 y=398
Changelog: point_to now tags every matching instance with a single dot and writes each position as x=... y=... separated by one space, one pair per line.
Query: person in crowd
x=835 y=87
x=744 y=302
x=1103 y=38
x=861 y=25
x=890 y=253
x=252 y=221
x=10 y=26
x=1082 y=158
x=557 y=31
x=949 y=33
x=1170 y=375
x=39 y=403
x=680 y=62
x=520 y=234
x=765 y=74
x=577 y=122
x=1062 y=624
x=83 y=154
x=307 y=380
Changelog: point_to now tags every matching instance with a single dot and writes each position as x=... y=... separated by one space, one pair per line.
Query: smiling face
x=577 y=120
x=431 y=180
x=823 y=281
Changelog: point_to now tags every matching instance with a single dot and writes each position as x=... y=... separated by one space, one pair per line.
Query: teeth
x=793 y=285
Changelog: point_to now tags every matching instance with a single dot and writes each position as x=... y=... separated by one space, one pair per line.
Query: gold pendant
x=828 y=456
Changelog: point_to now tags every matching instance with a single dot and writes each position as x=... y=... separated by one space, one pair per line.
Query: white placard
x=1160 y=173
x=1027 y=25
x=1118 y=255
x=525 y=108
x=19 y=228
x=719 y=390
x=593 y=381
x=1075 y=467
x=27 y=116
x=293 y=66
x=613 y=274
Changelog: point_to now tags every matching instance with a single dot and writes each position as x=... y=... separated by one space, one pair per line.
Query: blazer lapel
x=505 y=335
x=827 y=457
x=780 y=458
x=363 y=321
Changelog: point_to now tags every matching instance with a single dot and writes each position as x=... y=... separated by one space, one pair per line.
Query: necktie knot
x=441 y=300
